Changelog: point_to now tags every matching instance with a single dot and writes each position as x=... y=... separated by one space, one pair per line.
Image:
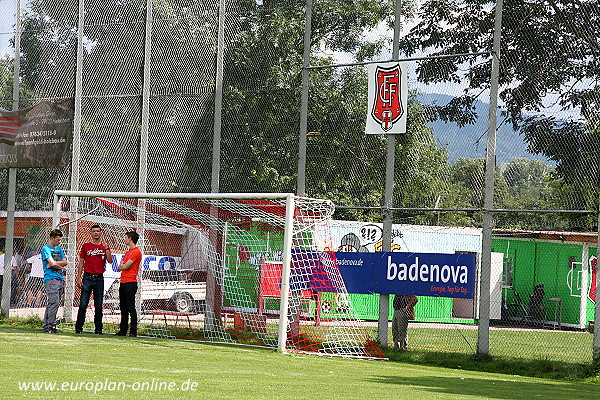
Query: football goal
x=246 y=268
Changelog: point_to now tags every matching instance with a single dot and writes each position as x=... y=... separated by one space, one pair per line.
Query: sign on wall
x=388 y=97
x=421 y=274
x=37 y=136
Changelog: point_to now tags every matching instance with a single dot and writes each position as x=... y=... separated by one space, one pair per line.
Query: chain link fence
x=215 y=90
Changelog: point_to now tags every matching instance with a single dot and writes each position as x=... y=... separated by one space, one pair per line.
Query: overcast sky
x=7 y=20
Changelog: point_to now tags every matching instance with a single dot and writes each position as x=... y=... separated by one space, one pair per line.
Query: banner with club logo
x=388 y=94
x=38 y=136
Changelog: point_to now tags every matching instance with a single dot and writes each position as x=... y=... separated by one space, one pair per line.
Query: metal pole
x=384 y=299
x=8 y=243
x=214 y=294
x=483 y=341
x=144 y=140
x=143 y=167
x=285 y=272
x=145 y=118
x=56 y=211
x=76 y=154
x=596 y=345
x=75 y=170
x=301 y=184
x=12 y=177
x=216 y=154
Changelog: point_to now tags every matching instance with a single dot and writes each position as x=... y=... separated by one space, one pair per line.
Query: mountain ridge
x=470 y=141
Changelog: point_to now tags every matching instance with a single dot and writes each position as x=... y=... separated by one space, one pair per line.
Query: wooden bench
x=250 y=322
x=176 y=314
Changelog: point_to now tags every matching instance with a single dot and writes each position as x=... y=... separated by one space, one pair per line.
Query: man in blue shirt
x=54 y=262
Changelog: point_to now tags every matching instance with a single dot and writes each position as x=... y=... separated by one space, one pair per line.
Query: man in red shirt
x=129 y=268
x=93 y=256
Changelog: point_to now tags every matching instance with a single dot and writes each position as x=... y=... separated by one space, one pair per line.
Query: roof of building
x=548 y=235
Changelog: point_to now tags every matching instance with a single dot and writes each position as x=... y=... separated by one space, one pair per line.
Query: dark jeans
x=91 y=284
x=127 y=293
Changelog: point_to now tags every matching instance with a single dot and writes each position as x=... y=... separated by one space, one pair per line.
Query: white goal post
x=257 y=258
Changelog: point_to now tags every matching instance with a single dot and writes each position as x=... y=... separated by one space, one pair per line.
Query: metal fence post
x=216 y=151
x=301 y=184
x=388 y=203
x=12 y=178
x=143 y=168
x=75 y=168
x=8 y=243
x=144 y=141
x=483 y=342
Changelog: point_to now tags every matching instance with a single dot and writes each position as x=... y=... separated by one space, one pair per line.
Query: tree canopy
x=543 y=51
x=549 y=61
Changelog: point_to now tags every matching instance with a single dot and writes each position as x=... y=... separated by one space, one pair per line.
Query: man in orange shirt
x=129 y=268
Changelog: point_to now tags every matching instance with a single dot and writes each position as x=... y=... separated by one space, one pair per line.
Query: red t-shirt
x=130 y=275
x=94 y=258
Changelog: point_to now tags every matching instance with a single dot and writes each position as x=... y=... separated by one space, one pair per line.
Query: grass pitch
x=70 y=366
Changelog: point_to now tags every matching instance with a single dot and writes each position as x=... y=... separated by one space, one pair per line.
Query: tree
x=6 y=82
x=530 y=186
x=6 y=86
x=467 y=191
x=261 y=104
x=548 y=47
x=262 y=82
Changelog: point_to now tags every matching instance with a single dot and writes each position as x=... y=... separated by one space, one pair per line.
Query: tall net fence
x=237 y=72
x=543 y=262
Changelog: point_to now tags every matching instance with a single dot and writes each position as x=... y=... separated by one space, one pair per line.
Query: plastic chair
x=536 y=304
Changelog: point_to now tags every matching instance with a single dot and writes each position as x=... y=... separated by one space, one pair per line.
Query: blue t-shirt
x=57 y=254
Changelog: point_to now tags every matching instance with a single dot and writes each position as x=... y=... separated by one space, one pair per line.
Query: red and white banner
x=38 y=136
x=388 y=94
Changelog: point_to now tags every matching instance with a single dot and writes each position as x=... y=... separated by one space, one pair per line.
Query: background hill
x=469 y=141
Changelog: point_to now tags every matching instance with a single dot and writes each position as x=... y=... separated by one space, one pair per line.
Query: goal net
x=240 y=268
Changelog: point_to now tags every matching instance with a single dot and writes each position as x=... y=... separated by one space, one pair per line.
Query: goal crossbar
x=136 y=195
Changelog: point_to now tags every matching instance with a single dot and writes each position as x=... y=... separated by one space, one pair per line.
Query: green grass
x=234 y=372
x=562 y=346
x=566 y=350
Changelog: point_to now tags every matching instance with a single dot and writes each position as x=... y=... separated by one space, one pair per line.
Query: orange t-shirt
x=130 y=275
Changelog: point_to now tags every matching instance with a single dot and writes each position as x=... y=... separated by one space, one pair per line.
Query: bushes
x=30 y=322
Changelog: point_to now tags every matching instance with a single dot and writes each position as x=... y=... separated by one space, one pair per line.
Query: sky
x=7 y=20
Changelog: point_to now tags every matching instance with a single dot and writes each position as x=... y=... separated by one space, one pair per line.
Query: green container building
x=564 y=262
